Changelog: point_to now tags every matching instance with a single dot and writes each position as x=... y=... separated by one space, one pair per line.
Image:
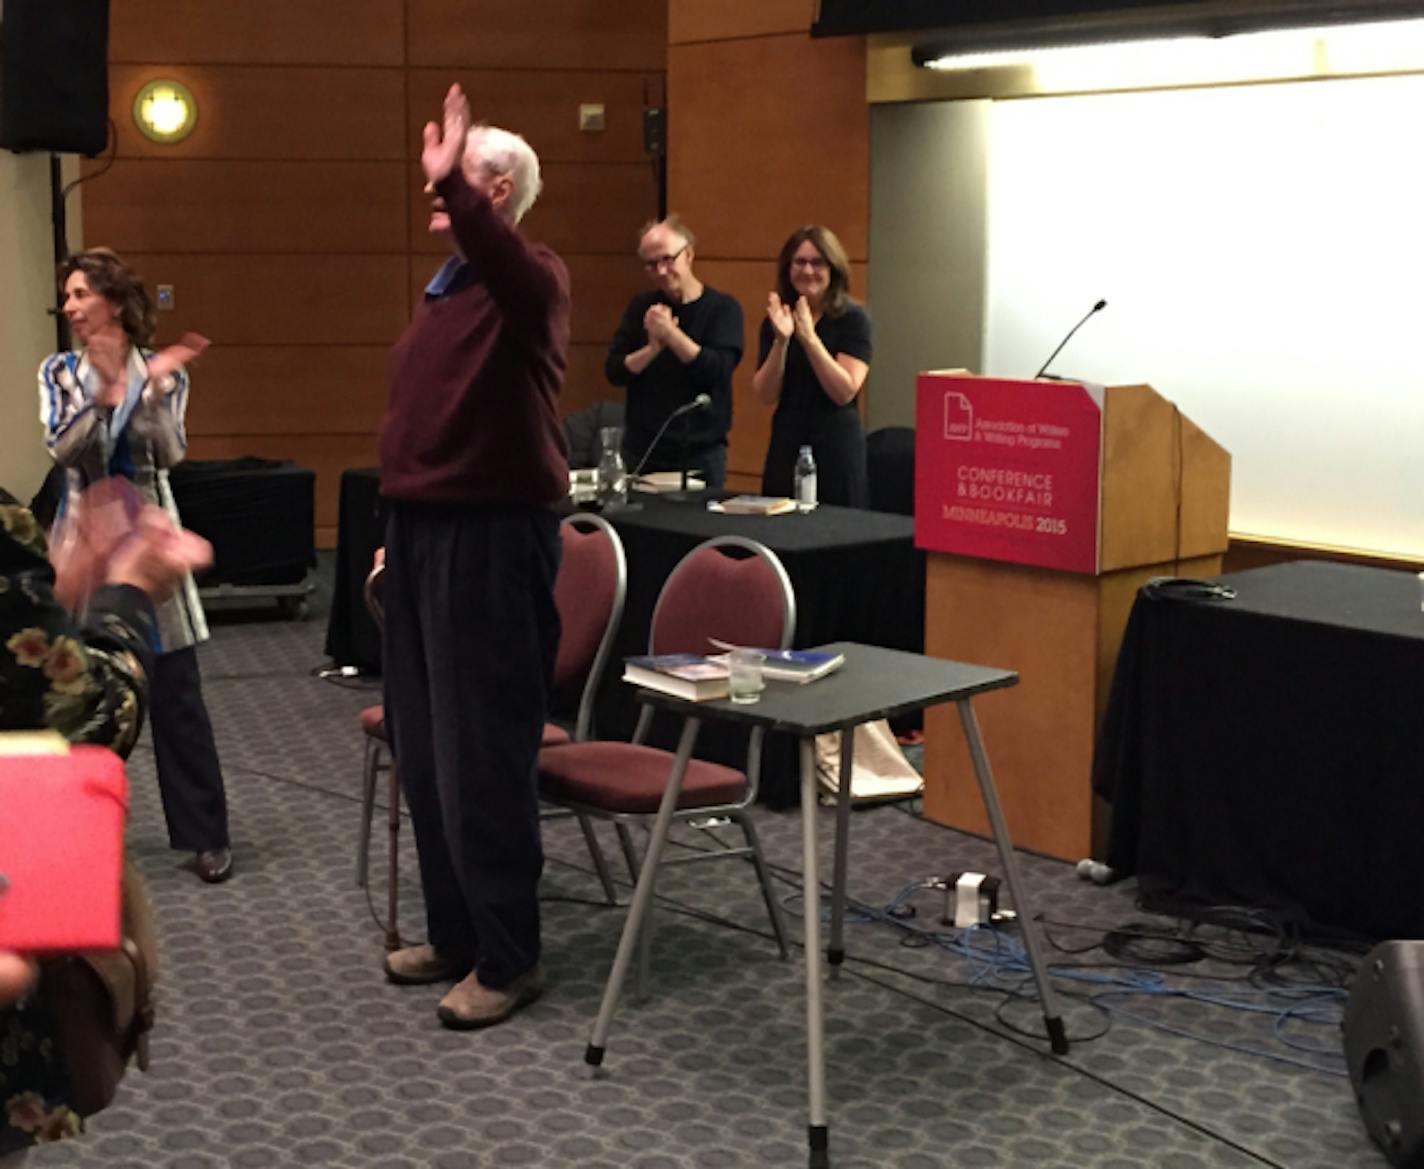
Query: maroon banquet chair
x=729 y=588
x=589 y=593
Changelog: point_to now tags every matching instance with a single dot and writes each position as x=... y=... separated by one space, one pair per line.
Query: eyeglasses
x=658 y=261
x=819 y=263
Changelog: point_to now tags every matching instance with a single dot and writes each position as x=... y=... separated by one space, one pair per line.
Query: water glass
x=746 y=683
x=612 y=473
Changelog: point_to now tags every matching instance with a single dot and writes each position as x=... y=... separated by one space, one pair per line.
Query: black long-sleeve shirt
x=714 y=321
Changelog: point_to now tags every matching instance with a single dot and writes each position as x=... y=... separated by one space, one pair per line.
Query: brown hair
x=823 y=239
x=112 y=279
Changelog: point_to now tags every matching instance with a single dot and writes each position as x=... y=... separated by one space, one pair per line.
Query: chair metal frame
x=707 y=814
x=377 y=748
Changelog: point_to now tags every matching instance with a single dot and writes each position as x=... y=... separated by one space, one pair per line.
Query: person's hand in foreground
x=117 y=538
x=16 y=977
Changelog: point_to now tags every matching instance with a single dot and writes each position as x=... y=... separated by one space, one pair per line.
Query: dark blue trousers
x=470 y=637
x=189 y=775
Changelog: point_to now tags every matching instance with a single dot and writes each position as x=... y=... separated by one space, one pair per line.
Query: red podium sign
x=1008 y=470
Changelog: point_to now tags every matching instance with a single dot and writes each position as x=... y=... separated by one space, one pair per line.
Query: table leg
x=1057 y=1037
x=817 y=1133
x=835 y=955
x=642 y=894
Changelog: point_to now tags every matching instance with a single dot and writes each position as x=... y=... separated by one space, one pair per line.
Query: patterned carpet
x=279 y=1043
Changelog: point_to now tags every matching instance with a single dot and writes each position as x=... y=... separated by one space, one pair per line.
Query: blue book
x=791 y=665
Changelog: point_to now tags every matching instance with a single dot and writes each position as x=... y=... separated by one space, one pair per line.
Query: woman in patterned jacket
x=115 y=407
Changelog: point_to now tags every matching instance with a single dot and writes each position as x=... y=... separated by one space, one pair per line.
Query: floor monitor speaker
x=1384 y=1049
x=54 y=77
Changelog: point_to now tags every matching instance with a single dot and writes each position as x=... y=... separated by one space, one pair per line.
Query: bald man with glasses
x=677 y=340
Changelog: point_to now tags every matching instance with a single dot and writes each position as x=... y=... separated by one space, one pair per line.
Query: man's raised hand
x=445 y=144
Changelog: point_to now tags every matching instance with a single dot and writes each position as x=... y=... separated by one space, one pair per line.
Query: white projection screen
x=1262 y=255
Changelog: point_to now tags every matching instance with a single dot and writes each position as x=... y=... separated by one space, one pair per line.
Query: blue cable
x=996 y=958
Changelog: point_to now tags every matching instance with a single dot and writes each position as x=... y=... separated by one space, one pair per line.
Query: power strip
x=970 y=899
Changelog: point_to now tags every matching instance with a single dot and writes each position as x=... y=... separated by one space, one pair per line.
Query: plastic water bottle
x=803 y=479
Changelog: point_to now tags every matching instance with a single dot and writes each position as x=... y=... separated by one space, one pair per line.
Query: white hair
x=504 y=153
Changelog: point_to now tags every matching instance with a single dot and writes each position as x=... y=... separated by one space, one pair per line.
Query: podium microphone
x=1097 y=308
x=701 y=402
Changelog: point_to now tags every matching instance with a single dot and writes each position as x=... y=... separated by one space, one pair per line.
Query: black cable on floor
x=1013 y=1034
x=1187 y=1122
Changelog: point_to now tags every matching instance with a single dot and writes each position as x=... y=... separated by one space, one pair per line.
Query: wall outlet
x=163 y=297
x=591 y=117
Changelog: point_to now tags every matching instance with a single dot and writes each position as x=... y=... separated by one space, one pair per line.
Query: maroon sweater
x=474 y=380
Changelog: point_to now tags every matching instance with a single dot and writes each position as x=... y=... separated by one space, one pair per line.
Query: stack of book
x=697 y=677
x=755 y=505
x=690 y=676
x=662 y=482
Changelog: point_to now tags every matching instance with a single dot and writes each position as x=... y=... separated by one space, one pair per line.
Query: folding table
x=874 y=683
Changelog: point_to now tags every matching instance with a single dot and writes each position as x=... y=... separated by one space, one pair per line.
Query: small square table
x=873 y=683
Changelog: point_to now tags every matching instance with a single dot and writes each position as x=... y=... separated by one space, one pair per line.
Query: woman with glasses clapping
x=812 y=360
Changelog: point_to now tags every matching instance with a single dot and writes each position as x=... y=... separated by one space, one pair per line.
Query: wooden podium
x=1044 y=507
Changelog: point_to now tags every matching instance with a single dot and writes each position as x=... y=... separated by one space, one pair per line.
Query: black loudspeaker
x=655 y=130
x=54 y=76
x=1384 y=1049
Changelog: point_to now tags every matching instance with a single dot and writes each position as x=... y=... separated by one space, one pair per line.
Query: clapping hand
x=157 y=555
x=444 y=144
x=114 y=536
x=780 y=317
x=803 y=322
x=166 y=360
x=659 y=323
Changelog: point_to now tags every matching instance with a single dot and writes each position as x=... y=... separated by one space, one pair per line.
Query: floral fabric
x=88 y=682
x=83 y=681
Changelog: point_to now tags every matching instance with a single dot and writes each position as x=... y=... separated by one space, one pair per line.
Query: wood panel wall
x=767 y=130
x=291 y=224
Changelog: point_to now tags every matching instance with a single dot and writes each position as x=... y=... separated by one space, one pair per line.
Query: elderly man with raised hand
x=473 y=463
x=681 y=339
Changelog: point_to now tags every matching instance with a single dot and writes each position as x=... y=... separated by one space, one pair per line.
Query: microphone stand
x=1097 y=308
x=685 y=494
x=701 y=402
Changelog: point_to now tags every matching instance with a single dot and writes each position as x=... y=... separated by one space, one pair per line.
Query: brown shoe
x=471 y=1004
x=422 y=965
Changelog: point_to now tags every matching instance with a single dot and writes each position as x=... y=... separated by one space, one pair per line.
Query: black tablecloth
x=857 y=576
x=352 y=638
x=256 y=513
x=1267 y=750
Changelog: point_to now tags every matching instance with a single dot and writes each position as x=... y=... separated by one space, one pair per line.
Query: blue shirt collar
x=454 y=275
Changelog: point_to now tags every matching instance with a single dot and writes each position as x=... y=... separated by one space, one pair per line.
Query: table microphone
x=701 y=402
x=1097 y=308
